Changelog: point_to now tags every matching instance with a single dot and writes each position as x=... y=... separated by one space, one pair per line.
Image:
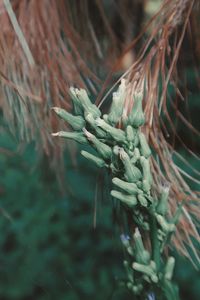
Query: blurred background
x=59 y=237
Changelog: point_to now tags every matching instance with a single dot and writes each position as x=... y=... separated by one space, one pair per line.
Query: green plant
x=122 y=148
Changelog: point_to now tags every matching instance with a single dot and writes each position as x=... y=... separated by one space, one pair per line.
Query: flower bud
x=87 y=104
x=117 y=134
x=147 y=177
x=142 y=256
x=104 y=150
x=142 y=200
x=117 y=105
x=76 y=122
x=98 y=161
x=90 y=119
x=162 y=206
x=129 y=200
x=136 y=116
x=166 y=227
x=76 y=136
x=130 y=188
x=144 y=147
x=130 y=133
x=169 y=268
x=132 y=173
x=78 y=108
x=147 y=270
x=135 y=156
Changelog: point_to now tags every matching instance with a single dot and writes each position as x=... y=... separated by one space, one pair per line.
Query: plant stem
x=154 y=240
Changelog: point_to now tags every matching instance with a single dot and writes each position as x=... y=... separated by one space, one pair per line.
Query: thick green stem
x=154 y=240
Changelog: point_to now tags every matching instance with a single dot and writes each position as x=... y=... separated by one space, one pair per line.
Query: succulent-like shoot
x=92 y=122
x=76 y=122
x=104 y=150
x=130 y=133
x=128 y=187
x=148 y=270
x=169 y=268
x=97 y=160
x=145 y=149
x=141 y=254
x=147 y=177
x=162 y=206
x=117 y=134
x=117 y=105
x=132 y=173
x=142 y=200
x=81 y=100
x=135 y=155
x=129 y=200
x=166 y=226
x=76 y=136
x=77 y=106
x=136 y=117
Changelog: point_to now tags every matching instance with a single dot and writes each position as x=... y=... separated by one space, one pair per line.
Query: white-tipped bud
x=132 y=173
x=104 y=150
x=76 y=122
x=136 y=116
x=76 y=136
x=117 y=105
x=98 y=161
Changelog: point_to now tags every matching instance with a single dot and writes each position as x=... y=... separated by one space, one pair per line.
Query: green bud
x=162 y=206
x=98 y=161
x=76 y=136
x=117 y=134
x=142 y=256
x=129 y=200
x=105 y=117
x=76 y=122
x=117 y=105
x=166 y=227
x=130 y=133
x=132 y=173
x=87 y=104
x=146 y=186
x=142 y=200
x=130 y=188
x=104 y=150
x=78 y=108
x=145 y=150
x=136 y=117
x=116 y=150
x=136 y=155
x=147 y=177
x=169 y=268
x=147 y=270
x=140 y=222
x=90 y=119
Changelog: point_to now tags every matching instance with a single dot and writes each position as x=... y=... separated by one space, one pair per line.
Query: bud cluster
x=126 y=153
